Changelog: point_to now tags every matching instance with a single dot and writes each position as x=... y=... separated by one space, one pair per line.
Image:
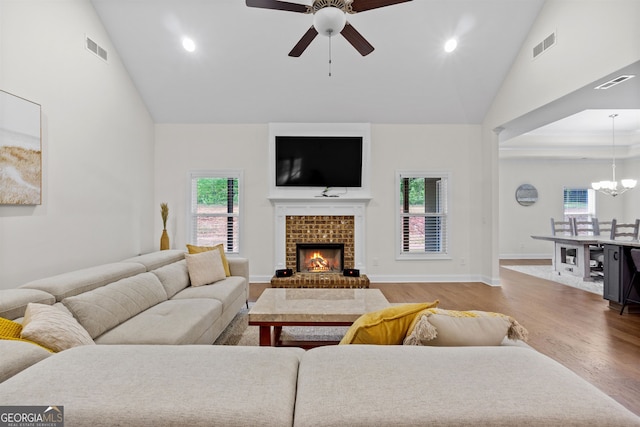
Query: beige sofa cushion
x=226 y=291
x=13 y=302
x=169 y=323
x=364 y=385
x=174 y=277
x=108 y=306
x=19 y=355
x=80 y=281
x=157 y=259
x=135 y=385
x=53 y=328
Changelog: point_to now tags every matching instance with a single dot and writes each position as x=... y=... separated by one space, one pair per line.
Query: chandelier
x=611 y=187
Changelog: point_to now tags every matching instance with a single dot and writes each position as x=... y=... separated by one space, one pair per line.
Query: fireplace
x=319 y=257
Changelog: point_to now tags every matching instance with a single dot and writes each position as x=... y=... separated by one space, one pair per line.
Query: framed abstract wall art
x=20 y=151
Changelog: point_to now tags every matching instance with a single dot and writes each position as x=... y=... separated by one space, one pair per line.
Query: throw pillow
x=9 y=328
x=52 y=328
x=205 y=267
x=438 y=327
x=220 y=247
x=387 y=326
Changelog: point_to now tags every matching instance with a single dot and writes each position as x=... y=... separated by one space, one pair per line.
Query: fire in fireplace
x=319 y=257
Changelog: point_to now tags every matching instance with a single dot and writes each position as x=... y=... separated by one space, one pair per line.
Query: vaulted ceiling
x=240 y=71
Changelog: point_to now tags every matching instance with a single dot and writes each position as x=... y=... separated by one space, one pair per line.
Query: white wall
x=594 y=38
x=518 y=223
x=182 y=148
x=97 y=142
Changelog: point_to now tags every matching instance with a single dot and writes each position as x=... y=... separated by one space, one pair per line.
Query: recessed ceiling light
x=450 y=45
x=188 y=44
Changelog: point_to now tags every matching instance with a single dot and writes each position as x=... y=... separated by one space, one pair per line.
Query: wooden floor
x=572 y=326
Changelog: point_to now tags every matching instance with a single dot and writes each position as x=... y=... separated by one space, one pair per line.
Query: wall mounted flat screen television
x=318 y=161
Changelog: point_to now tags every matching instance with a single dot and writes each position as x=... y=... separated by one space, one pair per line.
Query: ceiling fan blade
x=277 y=5
x=356 y=40
x=304 y=42
x=362 y=5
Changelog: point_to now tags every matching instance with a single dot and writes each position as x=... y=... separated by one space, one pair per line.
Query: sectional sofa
x=152 y=373
x=344 y=385
x=146 y=299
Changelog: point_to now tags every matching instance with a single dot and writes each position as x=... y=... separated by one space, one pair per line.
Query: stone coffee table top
x=302 y=306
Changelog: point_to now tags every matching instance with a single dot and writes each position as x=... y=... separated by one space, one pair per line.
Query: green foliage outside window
x=214 y=191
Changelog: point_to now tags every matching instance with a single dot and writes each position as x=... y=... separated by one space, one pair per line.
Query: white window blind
x=423 y=214
x=215 y=209
x=579 y=203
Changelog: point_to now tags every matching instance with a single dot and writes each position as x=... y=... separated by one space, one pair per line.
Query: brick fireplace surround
x=319 y=221
x=320 y=229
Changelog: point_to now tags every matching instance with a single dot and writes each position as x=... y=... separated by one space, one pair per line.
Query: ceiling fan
x=329 y=18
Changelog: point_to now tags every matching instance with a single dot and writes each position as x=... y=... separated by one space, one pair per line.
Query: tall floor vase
x=164 y=240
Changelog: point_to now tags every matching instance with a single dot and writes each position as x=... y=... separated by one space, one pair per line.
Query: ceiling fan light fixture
x=329 y=21
x=450 y=45
x=188 y=44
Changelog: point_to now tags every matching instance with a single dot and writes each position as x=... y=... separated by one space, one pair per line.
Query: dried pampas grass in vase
x=164 y=239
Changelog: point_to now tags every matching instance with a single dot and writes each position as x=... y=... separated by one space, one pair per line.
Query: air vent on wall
x=613 y=82
x=96 y=49
x=545 y=44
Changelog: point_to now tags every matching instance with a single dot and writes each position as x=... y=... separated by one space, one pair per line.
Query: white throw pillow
x=53 y=328
x=205 y=267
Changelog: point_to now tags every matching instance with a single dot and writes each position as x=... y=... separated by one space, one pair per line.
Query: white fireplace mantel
x=328 y=206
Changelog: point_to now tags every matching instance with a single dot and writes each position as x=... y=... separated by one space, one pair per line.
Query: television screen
x=318 y=161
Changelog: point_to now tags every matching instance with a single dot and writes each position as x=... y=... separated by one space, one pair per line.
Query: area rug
x=240 y=333
x=547 y=272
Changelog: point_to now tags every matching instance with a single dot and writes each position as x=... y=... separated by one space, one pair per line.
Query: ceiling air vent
x=545 y=44
x=616 y=81
x=96 y=49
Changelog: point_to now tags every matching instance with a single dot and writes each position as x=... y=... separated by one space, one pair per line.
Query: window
x=579 y=203
x=423 y=215
x=215 y=209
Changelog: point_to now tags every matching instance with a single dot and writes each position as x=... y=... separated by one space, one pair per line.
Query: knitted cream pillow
x=205 y=268
x=438 y=327
x=53 y=328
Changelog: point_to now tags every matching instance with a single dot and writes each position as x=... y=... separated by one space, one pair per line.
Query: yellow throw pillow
x=438 y=327
x=9 y=328
x=220 y=247
x=387 y=326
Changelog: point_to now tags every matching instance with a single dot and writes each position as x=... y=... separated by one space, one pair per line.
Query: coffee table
x=278 y=307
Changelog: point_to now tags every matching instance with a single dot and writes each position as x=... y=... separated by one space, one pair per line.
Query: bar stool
x=635 y=256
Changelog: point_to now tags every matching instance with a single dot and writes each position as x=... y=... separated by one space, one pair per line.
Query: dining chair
x=562 y=227
x=624 y=230
x=586 y=228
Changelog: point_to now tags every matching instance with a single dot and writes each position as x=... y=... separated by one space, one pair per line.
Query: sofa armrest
x=239 y=267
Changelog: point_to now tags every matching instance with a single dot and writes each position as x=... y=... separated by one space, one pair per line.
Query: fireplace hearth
x=319 y=257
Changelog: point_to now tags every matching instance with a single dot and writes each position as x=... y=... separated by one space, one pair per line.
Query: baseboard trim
x=526 y=256
x=376 y=278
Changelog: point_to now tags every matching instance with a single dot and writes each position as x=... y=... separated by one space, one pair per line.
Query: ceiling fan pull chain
x=330 y=54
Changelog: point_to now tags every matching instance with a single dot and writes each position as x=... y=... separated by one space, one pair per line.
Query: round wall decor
x=526 y=195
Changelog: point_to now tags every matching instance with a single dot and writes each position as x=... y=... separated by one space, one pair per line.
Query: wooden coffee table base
x=270 y=334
